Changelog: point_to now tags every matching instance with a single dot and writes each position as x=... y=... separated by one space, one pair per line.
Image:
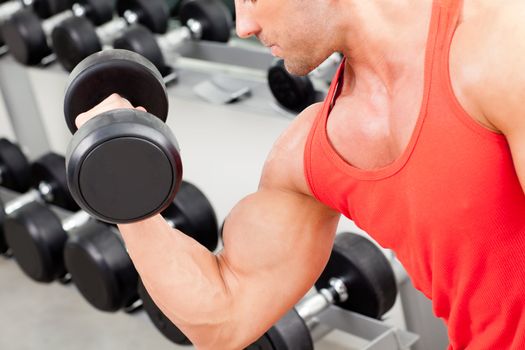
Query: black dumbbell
x=29 y=39
x=295 y=93
x=15 y=171
x=124 y=165
x=358 y=278
x=37 y=236
x=77 y=38
x=101 y=268
x=42 y=8
x=201 y=19
x=49 y=185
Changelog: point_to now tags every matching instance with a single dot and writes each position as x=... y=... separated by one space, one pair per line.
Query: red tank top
x=451 y=206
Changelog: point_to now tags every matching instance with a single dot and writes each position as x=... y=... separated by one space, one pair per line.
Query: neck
x=383 y=40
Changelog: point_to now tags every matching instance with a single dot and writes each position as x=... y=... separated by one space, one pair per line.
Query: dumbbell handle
x=170 y=42
x=76 y=220
x=50 y=23
x=9 y=8
x=108 y=32
x=44 y=191
x=312 y=306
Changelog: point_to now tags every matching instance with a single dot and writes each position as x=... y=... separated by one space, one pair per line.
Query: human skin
x=226 y=301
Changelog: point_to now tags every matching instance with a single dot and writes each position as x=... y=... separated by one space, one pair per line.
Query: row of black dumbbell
x=89 y=26
x=357 y=277
x=78 y=248
x=73 y=30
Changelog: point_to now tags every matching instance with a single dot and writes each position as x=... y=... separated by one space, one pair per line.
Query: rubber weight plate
x=48 y=8
x=289 y=333
x=193 y=214
x=25 y=37
x=101 y=268
x=230 y=4
x=36 y=237
x=366 y=272
x=174 y=7
x=74 y=39
x=115 y=71
x=124 y=166
x=3 y=244
x=99 y=11
x=213 y=15
x=17 y=171
x=51 y=169
x=163 y=324
x=292 y=92
x=141 y=40
x=154 y=14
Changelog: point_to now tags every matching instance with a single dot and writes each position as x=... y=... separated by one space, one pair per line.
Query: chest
x=371 y=130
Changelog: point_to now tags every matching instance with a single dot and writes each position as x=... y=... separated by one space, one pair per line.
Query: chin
x=297 y=67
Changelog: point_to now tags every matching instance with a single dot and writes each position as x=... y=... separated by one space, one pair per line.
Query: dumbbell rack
x=31 y=113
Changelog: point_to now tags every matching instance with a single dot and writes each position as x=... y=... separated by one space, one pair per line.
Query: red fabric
x=451 y=206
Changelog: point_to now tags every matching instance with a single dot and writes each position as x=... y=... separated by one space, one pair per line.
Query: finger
x=112 y=102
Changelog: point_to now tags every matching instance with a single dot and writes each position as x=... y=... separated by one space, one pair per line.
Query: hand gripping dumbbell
x=101 y=268
x=49 y=185
x=123 y=165
x=37 y=236
x=42 y=8
x=77 y=38
x=358 y=278
x=297 y=92
x=29 y=39
x=201 y=19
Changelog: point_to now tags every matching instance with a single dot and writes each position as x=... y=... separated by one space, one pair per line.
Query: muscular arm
x=277 y=242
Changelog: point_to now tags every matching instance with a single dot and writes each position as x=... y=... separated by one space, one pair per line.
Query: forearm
x=182 y=276
x=275 y=248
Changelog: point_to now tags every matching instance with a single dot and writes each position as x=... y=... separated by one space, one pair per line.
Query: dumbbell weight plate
x=103 y=280
x=17 y=175
x=51 y=169
x=289 y=333
x=174 y=6
x=163 y=324
x=36 y=238
x=154 y=14
x=3 y=244
x=114 y=71
x=213 y=15
x=99 y=11
x=367 y=273
x=75 y=39
x=141 y=40
x=196 y=217
x=292 y=92
x=124 y=166
x=24 y=36
x=48 y=8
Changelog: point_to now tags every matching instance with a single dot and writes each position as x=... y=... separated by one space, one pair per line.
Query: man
x=421 y=142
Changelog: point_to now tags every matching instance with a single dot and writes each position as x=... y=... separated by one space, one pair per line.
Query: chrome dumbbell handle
x=171 y=41
x=108 y=32
x=76 y=220
x=9 y=8
x=43 y=192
